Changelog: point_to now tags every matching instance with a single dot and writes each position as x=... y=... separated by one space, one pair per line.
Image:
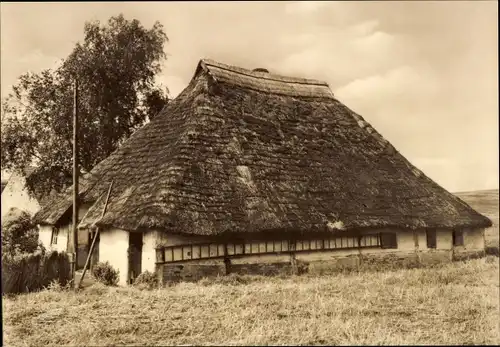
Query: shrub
x=19 y=233
x=55 y=286
x=106 y=274
x=147 y=280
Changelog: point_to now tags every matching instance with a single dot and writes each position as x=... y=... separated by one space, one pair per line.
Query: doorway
x=94 y=259
x=134 y=256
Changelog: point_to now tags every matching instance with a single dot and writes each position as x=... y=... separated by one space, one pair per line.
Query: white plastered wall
x=444 y=239
x=62 y=239
x=405 y=240
x=15 y=195
x=45 y=235
x=474 y=239
x=113 y=247
x=421 y=239
x=149 y=239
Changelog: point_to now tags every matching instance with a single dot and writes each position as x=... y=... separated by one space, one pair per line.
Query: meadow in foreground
x=453 y=304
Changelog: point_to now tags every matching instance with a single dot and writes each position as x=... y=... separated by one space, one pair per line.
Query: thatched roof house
x=242 y=152
x=15 y=194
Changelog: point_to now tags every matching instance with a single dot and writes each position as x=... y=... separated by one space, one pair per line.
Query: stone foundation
x=388 y=261
x=263 y=269
x=410 y=251
x=466 y=255
x=434 y=257
x=191 y=271
x=331 y=266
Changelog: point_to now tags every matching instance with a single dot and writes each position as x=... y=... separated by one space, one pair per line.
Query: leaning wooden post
x=75 y=180
x=89 y=256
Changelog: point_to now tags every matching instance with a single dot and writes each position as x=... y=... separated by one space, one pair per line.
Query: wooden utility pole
x=89 y=256
x=75 y=180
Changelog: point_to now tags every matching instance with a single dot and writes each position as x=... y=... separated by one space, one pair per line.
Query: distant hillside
x=484 y=201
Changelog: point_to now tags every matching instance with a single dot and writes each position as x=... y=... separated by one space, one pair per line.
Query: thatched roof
x=249 y=151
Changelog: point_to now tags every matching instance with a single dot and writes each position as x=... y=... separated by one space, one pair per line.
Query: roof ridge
x=261 y=75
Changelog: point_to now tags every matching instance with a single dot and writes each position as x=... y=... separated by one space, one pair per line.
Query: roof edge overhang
x=485 y=222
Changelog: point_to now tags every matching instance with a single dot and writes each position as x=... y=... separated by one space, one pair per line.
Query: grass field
x=452 y=304
x=485 y=202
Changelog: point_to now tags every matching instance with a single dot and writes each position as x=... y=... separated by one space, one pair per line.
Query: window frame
x=389 y=240
x=54 y=236
x=431 y=234
x=461 y=238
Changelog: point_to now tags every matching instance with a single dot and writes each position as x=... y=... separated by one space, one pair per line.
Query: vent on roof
x=260 y=69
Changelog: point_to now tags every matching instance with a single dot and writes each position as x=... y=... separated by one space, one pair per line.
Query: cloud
x=342 y=54
x=304 y=7
x=364 y=28
x=175 y=84
x=405 y=84
x=423 y=74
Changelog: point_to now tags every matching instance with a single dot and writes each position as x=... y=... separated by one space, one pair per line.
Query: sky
x=424 y=74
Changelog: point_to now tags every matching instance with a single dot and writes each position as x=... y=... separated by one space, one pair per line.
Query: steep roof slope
x=247 y=151
x=15 y=193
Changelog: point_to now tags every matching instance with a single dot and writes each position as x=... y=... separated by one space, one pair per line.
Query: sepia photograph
x=188 y=173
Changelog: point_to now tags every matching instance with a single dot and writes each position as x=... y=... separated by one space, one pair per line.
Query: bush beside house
x=104 y=273
x=26 y=266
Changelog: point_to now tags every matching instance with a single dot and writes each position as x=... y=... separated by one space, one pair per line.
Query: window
x=55 y=233
x=388 y=240
x=458 y=238
x=431 y=238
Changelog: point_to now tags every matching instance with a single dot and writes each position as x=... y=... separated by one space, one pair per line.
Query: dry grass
x=453 y=304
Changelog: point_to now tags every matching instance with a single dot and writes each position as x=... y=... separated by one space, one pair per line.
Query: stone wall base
x=263 y=269
x=390 y=261
x=190 y=272
x=466 y=255
x=194 y=271
x=435 y=257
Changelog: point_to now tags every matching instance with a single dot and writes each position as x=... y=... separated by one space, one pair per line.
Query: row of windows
x=384 y=240
x=83 y=237
x=202 y=251
x=457 y=236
